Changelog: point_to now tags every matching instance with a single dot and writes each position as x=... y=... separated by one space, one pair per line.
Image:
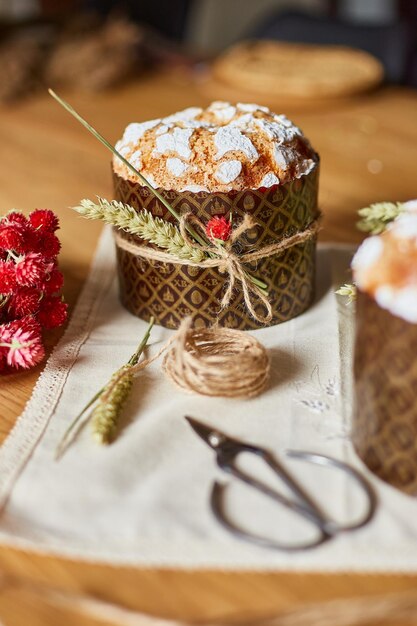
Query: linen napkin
x=144 y=500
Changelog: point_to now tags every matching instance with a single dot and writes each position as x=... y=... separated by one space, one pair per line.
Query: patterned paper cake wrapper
x=171 y=292
x=385 y=414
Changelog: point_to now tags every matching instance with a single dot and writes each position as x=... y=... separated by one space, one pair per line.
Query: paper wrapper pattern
x=385 y=415
x=171 y=292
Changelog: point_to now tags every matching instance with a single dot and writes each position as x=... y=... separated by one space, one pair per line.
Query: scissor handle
x=303 y=505
x=216 y=503
x=334 y=527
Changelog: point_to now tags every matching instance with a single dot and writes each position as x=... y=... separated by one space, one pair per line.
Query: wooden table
x=369 y=153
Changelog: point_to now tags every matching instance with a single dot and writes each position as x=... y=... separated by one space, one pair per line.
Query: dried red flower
x=7 y=277
x=23 y=341
x=15 y=217
x=32 y=240
x=30 y=269
x=29 y=286
x=12 y=237
x=219 y=228
x=25 y=301
x=53 y=312
x=48 y=245
x=44 y=220
x=27 y=323
x=53 y=282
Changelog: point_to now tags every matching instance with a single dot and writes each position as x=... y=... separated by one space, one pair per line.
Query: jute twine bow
x=225 y=259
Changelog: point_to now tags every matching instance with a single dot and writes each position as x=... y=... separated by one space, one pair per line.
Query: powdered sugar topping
x=304 y=167
x=194 y=124
x=245 y=122
x=367 y=254
x=401 y=302
x=410 y=206
x=122 y=149
x=283 y=156
x=222 y=110
x=405 y=226
x=283 y=119
x=269 y=180
x=229 y=139
x=176 y=141
x=251 y=108
x=182 y=116
x=202 y=148
x=176 y=167
x=136 y=159
x=275 y=131
x=135 y=131
x=163 y=128
x=228 y=171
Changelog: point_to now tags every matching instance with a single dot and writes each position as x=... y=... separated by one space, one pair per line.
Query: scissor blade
x=208 y=434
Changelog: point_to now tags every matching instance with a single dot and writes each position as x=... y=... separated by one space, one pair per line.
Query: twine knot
x=228 y=262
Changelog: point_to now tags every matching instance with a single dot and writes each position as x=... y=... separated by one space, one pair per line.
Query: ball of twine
x=217 y=362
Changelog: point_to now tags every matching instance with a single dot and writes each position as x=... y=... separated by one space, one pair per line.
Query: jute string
x=225 y=259
x=217 y=362
x=211 y=361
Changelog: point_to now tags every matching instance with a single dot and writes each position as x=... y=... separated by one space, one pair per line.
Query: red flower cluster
x=219 y=228
x=30 y=284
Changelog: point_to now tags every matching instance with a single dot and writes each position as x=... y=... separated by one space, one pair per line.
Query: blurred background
x=96 y=44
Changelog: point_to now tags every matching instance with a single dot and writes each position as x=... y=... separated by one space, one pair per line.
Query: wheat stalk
x=110 y=401
x=144 y=224
x=105 y=417
x=376 y=216
x=115 y=394
x=348 y=291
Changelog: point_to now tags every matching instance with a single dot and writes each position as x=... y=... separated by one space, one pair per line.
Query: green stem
x=65 y=438
x=136 y=355
x=62 y=445
x=259 y=283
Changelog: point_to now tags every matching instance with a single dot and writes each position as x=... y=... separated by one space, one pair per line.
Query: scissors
x=228 y=449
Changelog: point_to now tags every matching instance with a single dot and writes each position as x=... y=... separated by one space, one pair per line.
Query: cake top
x=222 y=148
x=385 y=266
